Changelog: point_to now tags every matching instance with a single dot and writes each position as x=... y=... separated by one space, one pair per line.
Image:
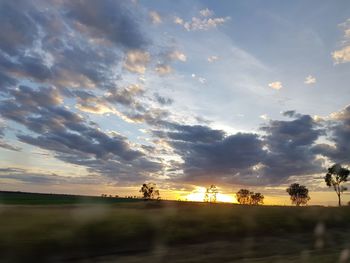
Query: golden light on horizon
x=198 y=195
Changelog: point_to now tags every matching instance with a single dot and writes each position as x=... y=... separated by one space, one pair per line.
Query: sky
x=102 y=96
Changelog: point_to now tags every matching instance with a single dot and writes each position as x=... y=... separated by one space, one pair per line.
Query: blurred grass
x=172 y=232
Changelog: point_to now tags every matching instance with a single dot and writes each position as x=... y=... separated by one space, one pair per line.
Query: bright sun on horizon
x=199 y=193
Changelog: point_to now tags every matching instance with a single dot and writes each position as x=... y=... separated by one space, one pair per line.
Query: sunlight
x=199 y=193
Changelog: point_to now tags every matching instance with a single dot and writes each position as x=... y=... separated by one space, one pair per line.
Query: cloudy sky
x=101 y=96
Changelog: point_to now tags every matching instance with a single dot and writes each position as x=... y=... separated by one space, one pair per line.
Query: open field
x=164 y=231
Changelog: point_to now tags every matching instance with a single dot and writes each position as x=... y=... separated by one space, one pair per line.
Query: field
x=59 y=228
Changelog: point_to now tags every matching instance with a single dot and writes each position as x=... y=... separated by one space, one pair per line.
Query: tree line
x=335 y=177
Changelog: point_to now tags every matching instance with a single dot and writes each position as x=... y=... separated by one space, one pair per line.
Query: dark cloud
x=17 y=29
x=6 y=81
x=63 y=43
x=107 y=19
x=289 y=146
x=125 y=96
x=210 y=155
x=162 y=100
x=285 y=150
x=339 y=135
x=291 y=114
x=220 y=160
x=3 y=143
x=8 y=146
x=72 y=49
x=192 y=134
x=70 y=136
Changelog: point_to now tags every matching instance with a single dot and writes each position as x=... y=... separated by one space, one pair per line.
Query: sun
x=199 y=193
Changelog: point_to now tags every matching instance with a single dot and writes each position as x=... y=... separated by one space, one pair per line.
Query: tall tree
x=256 y=199
x=336 y=176
x=210 y=194
x=243 y=196
x=299 y=194
x=150 y=191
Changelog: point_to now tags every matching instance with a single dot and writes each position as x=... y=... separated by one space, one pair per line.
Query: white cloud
x=310 y=80
x=204 y=24
x=177 y=55
x=346 y=27
x=197 y=23
x=275 y=85
x=206 y=12
x=264 y=117
x=163 y=69
x=136 y=61
x=155 y=17
x=202 y=80
x=212 y=58
x=178 y=20
x=342 y=55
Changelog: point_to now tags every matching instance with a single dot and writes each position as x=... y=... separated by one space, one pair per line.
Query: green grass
x=21 y=198
x=124 y=231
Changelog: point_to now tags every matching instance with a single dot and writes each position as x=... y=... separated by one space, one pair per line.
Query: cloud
x=8 y=146
x=136 y=61
x=39 y=178
x=155 y=17
x=163 y=69
x=290 y=148
x=291 y=114
x=200 y=79
x=19 y=28
x=338 y=127
x=87 y=102
x=126 y=96
x=202 y=24
x=287 y=148
x=162 y=100
x=198 y=24
x=210 y=156
x=70 y=137
x=49 y=55
x=206 y=12
x=212 y=59
x=4 y=144
x=178 y=20
x=264 y=117
x=342 y=55
x=177 y=55
x=310 y=80
x=72 y=54
x=107 y=19
x=277 y=85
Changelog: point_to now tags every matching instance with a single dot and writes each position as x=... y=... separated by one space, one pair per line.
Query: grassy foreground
x=172 y=232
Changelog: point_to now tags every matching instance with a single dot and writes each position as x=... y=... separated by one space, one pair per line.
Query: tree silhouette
x=150 y=191
x=299 y=194
x=256 y=199
x=243 y=196
x=335 y=177
x=210 y=194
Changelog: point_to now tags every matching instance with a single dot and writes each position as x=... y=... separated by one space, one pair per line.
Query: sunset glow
x=199 y=194
x=100 y=97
